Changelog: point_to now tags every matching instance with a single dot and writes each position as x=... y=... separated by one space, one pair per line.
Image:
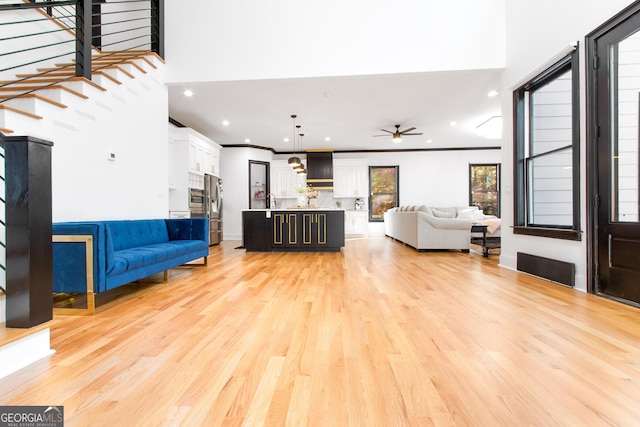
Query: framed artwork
x=383 y=186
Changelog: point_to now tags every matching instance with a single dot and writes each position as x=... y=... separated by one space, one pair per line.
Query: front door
x=616 y=111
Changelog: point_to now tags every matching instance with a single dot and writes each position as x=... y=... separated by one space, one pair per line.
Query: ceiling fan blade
x=407 y=130
x=412 y=133
x=388 y=131
x=380 y=135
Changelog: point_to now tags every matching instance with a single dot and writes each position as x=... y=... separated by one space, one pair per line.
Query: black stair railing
x=73 y=29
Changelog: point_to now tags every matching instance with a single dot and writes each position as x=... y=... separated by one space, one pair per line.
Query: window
x=546 y=164
x=383 y=183
x=484 y=188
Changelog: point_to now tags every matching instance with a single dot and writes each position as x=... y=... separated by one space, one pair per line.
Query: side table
x=486 y=243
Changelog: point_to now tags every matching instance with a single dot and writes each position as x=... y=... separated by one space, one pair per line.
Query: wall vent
x=551 y=269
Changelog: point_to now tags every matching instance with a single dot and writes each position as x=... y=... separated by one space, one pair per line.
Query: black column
x=28 y=231
x=157 y=27
x=83 y=38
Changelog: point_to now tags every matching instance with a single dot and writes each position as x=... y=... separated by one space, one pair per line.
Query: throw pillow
x=467 y=213
x=478 y=215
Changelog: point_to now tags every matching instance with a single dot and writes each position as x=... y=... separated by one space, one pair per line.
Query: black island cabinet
x=299 y=230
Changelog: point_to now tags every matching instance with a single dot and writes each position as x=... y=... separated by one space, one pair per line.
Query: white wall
x=33 y=24
x=529 y=46
x=129 y=120
x=437 y=178
x=234 y=171
x=249 y=39
x=31 y=21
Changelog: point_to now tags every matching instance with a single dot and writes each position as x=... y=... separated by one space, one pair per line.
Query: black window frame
x=521 y=223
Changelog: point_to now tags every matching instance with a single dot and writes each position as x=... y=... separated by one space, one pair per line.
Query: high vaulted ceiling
x=347 y=110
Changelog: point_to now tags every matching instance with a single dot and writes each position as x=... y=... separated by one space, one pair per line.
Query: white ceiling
x=349 y=110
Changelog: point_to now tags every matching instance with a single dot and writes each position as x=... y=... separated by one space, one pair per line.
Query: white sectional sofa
x=431 y=228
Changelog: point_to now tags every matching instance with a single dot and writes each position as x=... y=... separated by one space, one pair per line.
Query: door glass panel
x=625 y=81
x=258 y=184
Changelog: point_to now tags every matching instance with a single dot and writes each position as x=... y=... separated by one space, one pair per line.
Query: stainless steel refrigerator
x=213 y=207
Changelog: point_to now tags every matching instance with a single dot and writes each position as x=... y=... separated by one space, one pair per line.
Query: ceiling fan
x=398 y=134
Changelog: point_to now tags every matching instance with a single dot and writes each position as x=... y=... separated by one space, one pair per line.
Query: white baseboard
x=23 y=352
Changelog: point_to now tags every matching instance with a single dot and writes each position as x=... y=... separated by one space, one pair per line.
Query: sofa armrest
x=188 y=229
x=69 y=263
x=446 y=223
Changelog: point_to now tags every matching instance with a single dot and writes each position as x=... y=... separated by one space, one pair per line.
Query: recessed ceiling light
x=286 y=139
x=326 y=138
x=429 y=141
x=452 y=123
x=225 y=123
x=188 y=92
x=492 y=93
x=247 y=140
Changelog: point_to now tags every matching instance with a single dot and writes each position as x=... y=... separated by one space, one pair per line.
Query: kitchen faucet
x=272 y=201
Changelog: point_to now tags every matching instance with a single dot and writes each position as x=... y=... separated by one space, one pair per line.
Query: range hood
x=320 y=169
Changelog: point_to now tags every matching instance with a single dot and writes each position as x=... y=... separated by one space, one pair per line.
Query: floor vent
x=551 y=269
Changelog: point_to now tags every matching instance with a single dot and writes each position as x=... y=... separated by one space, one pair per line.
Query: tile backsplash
x=324 y=200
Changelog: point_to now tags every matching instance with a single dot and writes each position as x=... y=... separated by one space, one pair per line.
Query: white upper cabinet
x=191 y=155
x=196 y=157
x=203 y=153
x=284 y=180
x=350 y=178
x=211 y=161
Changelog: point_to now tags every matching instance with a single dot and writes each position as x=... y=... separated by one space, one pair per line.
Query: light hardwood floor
x=378 y=335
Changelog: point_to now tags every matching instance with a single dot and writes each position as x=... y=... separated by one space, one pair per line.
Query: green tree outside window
x=484 y=187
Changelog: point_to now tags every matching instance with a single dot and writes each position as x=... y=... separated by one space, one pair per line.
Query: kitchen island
x=293 y=230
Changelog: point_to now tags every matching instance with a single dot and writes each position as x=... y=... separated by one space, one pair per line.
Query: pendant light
x=301 y=170
x=294 y=160
x=299 y=166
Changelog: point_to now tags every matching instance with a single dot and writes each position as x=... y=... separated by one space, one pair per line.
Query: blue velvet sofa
x=97 y=256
